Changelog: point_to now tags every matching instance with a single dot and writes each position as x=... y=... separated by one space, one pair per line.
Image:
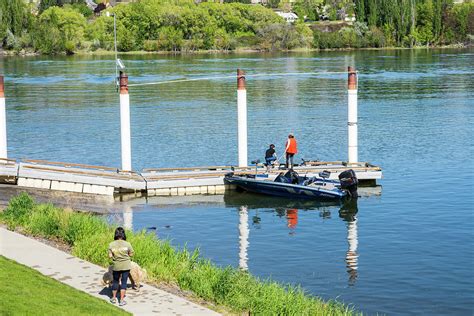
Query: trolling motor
x=349 y=182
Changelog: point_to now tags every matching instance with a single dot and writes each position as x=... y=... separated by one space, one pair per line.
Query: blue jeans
x=269 y=160
x=123 y=275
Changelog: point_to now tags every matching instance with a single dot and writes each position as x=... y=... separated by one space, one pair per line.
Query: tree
x=360 y=10
x=372 y=9
x=15 y=19
x=59 y=30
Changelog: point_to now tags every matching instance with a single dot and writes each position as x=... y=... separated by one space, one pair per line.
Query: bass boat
x=292 y=185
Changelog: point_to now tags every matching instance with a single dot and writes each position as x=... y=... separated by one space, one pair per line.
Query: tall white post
x=242 y=118
x=352 y=116
x=125 y=123
x=243 y=237
x=3 y=121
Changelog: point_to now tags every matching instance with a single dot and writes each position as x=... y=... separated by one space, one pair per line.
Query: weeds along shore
x=235 y=290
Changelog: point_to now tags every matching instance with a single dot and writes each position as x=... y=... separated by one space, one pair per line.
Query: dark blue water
x=406 y=251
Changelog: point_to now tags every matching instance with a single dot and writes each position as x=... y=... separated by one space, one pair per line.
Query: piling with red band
x=125 y=123
x=242 y=118
x=3 y=121
x=123 y=82
x=352 y=143
x=2 y=87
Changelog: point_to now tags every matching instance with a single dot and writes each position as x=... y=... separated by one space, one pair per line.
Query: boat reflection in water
x=288 y=209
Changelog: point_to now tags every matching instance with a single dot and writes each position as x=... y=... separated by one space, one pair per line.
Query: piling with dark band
x=352 y=78
x=123 y=83
x=240 y=79
x=2 y=87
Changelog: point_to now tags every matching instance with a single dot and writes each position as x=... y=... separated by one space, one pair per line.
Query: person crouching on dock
x=291 y=149
x=270 y=156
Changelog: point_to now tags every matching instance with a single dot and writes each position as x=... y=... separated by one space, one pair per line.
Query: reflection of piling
x=242 y=118
x=243 y=237
x=125 y=123
x=128 y=218
x=3 y=121
x=352 y=115
x=351 y=255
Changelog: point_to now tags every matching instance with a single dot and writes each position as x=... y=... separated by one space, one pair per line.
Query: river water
x=406 y=248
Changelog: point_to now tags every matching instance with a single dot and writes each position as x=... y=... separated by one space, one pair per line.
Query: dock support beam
x=125 y=123
x=242 y=118
x=3 y=121
x=352 y=116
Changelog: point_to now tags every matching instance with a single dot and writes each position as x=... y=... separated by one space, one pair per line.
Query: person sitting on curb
x=120 y=252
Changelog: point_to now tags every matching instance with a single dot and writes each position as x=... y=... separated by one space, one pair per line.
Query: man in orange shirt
x=290 y=150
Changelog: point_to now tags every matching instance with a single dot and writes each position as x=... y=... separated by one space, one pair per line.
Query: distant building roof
x=288 y=16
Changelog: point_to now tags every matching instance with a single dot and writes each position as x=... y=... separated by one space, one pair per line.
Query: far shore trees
x=68 y=26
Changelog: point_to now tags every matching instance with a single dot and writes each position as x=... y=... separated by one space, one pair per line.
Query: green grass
x=238 y=291
x=27 y=292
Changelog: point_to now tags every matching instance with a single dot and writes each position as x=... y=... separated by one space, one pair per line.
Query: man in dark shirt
x=270 y=156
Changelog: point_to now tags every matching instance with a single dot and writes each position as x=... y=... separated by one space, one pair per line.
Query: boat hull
x=285 y=189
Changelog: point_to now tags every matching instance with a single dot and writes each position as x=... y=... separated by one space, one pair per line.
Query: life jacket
x=292 y=147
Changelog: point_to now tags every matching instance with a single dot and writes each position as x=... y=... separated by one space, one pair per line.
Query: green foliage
x=308 y=9
x=279 y=36
x=15 y=20
x=417 y=22
x=59 y=30
x=181 y=25
x=65 y=26
x=18 y=210
x=241 y=292
x=44 y=221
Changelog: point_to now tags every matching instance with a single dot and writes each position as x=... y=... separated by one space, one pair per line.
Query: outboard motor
x=349 y=182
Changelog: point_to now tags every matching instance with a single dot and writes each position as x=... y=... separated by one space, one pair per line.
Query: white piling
x=352 y=116
x=3 y=121
x=125 y=123
x=242 y=118
x=243 y=237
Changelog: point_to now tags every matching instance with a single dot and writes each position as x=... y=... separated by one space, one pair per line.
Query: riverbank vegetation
x=27 y=292
x=68 y=26
x=239 y=291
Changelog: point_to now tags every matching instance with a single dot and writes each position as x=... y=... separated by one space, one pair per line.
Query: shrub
x=44 y=221
x=18 y=210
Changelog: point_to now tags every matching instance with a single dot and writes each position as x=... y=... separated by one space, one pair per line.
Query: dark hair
x=272 y=146
x=120 y=234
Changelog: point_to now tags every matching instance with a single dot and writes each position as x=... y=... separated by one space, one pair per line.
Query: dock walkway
x=86 y=277
x=79 y=178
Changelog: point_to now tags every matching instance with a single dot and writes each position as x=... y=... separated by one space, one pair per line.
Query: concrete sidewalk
x=86 y=277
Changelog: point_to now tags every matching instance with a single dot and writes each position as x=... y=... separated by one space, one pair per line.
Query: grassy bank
x=240 y=292
x=27 y=292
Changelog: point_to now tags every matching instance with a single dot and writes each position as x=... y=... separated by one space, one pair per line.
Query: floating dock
x=88 y=179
